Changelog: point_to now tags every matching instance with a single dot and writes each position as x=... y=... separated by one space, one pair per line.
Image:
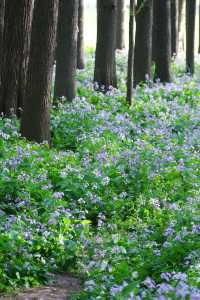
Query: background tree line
x=36 y=34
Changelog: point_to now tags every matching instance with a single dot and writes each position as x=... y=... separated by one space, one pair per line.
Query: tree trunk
x=154 y=32
x=120 y=39
x=143 y=41
x=174 y=27
x=66 y=53
x=2 y=8
x=17 y=24
x=190 y=34
x=105 y=65
x=199 y=30
x=163 y=40
x=130 y=53
x=80 y=43
x=35 y=117
x=180 y=13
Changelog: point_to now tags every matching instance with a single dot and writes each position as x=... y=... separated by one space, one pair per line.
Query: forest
x=100 y=149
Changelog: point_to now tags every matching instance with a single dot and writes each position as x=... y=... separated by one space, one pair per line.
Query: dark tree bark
x=130 y=53
x=120 y=39
x=17 y=24
x=80 y=43
x=66 y=53
x=2 y=8
x=35 y=117
x=163 y=40
x=199 y=30
x=174 y=26
x=190 y=34
x=143 y=41
x=105 y=65
x=154 y=32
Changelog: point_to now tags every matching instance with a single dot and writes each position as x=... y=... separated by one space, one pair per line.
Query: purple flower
x=149 y=283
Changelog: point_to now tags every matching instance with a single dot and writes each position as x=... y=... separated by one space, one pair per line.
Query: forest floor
x=62 y=287
x=115 y=200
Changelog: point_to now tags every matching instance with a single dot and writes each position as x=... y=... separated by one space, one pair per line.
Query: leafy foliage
x=117 y=195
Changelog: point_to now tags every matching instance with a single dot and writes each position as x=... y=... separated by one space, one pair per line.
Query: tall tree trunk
x=120 y=38
x=174 y=26
x=143 y=41
x=130 y=53
x=80 y=43
x=180 y=13
x=154 y=32
x=163 y=40
x=190 y=34
x=35 y=117
x=66 y=53
x=105 y=65
x=2 y=9
x=199 y=29
x=17 y=23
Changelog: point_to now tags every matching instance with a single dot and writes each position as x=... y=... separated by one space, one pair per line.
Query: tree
x=17 y=23
x=120 y=39
x=66 y=52
x=181 y=4
x=2 y=7
x=105 y=65
x=80 y=43
x=180 y=13
x=199 y=30
x=162 y=39
x=143 y=40
x=35 y=117
x=190 y=34
x=130 y=53
x=174 y=26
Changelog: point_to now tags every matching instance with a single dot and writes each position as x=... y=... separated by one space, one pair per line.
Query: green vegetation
x=115 y=199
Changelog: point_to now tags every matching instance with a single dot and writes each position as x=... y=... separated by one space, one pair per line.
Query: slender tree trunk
x=199 y=29
x=66 y=53
x=180 y=13
x=174 y=26
x=130 y=53
x=105 y=65
x=2 y=8
x=120 y=39
x=143 y=41
x=190 y=34
x=17 y=23
x=163 y=40
x=80 y=43
x=35 y=117
x=154 y=32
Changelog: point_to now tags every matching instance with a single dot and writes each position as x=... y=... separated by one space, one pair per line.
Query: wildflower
x=149 y=283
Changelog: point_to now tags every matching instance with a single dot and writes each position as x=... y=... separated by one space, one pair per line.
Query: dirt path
x=63 y=287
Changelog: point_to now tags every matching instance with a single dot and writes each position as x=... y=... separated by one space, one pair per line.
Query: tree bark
x=143 y=41
x=130 y=53
x=120 y=38
x=199 y=30
x=174 y=26
x=190 y=34
x=105 y=65
x=35 y=117
x=162 y=19
x=80 y=43
x=17 y=24
x=180 y=13
x=2 y=9
x=66 y=53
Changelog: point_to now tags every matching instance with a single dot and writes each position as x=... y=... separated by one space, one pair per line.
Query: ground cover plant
x=115 y=199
